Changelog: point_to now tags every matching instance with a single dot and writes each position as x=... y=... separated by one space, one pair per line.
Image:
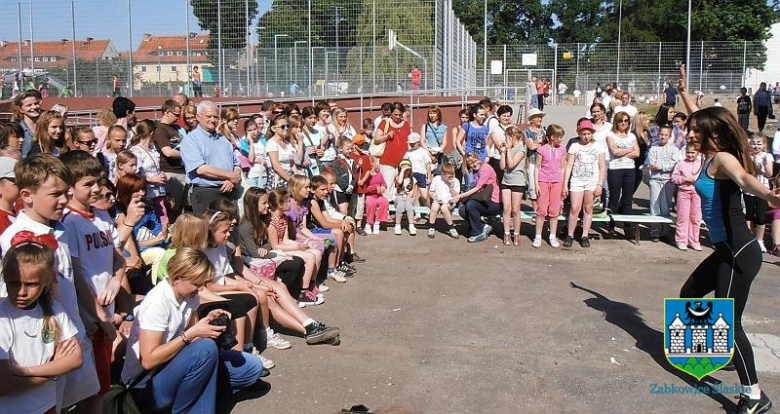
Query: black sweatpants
x=621 y=190
x=291 y=274
x=729 y=272
x=755 y=209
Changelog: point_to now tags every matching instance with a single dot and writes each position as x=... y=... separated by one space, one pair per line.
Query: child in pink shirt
x=549 y=183
x=684 y=175
x=377 y=206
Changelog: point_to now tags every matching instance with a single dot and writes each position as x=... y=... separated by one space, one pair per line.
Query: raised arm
x=688 y=101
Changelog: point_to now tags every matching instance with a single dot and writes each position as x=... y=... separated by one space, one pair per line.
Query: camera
x=226 y=340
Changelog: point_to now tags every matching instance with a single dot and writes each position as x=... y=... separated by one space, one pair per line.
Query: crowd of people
x=162 y=254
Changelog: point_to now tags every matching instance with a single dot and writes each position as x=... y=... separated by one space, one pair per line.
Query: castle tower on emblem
x=720 y=335
x=699 y=339
x=677 y=336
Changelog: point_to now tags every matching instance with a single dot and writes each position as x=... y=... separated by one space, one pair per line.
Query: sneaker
x=776 y=251
x=316 y=290
x=347 y=270
x=453 y=233
x=368 y=230
x=747 y=405
x=323 y=287
x=763 y=248
x=568 y=242
x=554 y=242
x=354 y=258
x=584 y=242
x=309 y=298
x=317 y=333
x=477 y=239
x=277 y=342
x=337 y=275
x=267 y=363
x=431 y=232
x=537 y=242
x=696 y=247
x=397 y=230
x=376 y=228
x=361 y=232
x=487 y=230
x=412 y=230
x=265 y=372
x=682 y=246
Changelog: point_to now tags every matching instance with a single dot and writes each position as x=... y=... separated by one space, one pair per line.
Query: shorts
x=320 y=230
x=422 y=180
x=80 y=384
x=357 y=206
x=582 y=186
x=513 y=188
x=343 y=198
x=773 y=215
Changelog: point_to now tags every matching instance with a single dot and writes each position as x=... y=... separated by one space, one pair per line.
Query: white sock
x=753 y=392
x=538 y=237
x=308 y=322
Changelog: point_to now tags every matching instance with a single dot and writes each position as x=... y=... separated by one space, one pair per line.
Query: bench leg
x=636 y=234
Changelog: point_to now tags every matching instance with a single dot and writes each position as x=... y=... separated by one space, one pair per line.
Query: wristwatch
x=129 y=317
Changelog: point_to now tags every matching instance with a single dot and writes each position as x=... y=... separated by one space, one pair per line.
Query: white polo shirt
x=218 y=256
x=66 y=289
x=26 y=342
x=158 y=312
x=93 y=238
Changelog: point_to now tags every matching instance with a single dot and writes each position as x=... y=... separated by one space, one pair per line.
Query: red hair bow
x=23 y=237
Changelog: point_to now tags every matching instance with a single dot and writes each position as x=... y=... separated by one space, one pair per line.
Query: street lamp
x=159 y=70
x=276 y=57
x=295 y=54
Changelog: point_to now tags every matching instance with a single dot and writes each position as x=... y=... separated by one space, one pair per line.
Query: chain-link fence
x=641 y=68
x=316 y=48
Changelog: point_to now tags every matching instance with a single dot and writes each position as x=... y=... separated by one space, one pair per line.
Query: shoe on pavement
x=585 y=242
x=568 y=242
x=747 y=405
x=317 y=333
x=453 y=233
x=376 y=228
x=323 y=287
x=763 y=248
x=696 y=247
x=554 y=242
x=397 y=230
x=431 y=232
x=537 y=242
x=682 y=246
x=309 y=298
x=368 y=229
x=412 y=230
x=277 y=342
x=337 y=275
x=487 y=230
x=267 y=363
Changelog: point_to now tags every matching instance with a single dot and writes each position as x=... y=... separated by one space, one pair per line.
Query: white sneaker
x=431 y=232
x=696 y=247
x=537 y=242
x=368 y=229
x=277 y=342
x=397 y=230
x=323 y=287
x=763 y=248
x=376 y=228
x=682 y=246
x=554 y=242
x=337 y=276
x=412 y=230
x=453 y=233
x=267 y=363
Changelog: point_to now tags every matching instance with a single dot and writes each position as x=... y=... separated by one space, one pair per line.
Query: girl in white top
x=623 y=148
x=755 y=207
x=339 y=126
x=149 y=166
x=257 y=175
x=327 y=142
x=38 y=341
x=281 y=154
x=312 y=137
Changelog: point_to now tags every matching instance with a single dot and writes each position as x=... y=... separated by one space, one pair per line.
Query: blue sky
x=99 y=19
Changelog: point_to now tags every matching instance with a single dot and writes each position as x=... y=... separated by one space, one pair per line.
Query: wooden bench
x=418 y=210
x=640 y=219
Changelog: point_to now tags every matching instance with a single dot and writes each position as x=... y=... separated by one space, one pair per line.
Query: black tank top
x=721 y=202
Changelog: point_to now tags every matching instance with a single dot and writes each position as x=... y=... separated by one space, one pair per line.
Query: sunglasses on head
x=277 y=112
x=88 y=143
x=285 y=126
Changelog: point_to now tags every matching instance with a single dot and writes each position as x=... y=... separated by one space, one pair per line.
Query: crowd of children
x=109 y=278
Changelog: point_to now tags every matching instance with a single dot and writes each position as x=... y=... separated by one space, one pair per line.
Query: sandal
x=507 y=239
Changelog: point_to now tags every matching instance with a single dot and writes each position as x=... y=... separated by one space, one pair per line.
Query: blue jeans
x=188 y=382
x=474 y=210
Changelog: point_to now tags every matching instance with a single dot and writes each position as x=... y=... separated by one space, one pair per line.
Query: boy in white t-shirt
x=443 y=189
x=97 y=261
x=43 y=183
x=421 y=166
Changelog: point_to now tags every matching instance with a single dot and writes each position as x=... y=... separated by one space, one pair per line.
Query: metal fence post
x=577 y=76
x=660 y=81
x=32 y=43
x=73 y=46
x=506 y=75
x=701 y=66
x=554 y=86
x=744 y=62
x=373 y=48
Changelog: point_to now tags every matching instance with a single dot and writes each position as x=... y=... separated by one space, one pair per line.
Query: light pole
x=295 y=56
x=276 y=58
x=620 y=24
x=159 y=70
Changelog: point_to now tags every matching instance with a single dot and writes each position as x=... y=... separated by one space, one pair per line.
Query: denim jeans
x=188 y=382
x=474 y=210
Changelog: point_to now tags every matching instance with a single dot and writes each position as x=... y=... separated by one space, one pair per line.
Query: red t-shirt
x=416 y=76
x=361 y=170
x=395 y=148
x=6 y=220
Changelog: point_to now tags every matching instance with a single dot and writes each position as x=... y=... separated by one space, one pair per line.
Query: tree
x=291 y=17
x=233 y=20
x=508 y=22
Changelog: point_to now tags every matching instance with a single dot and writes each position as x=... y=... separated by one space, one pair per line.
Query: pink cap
x=586 y=124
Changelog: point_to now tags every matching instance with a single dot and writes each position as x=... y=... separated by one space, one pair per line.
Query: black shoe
x=655 y=239
x=354 y=258
x=749 y=406
x=568 y=242
x=584 y=242
x=265 y=372
x=361 y=232
x=317 y=333
x=348 y=270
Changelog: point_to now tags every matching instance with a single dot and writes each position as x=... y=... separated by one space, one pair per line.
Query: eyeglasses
x=277 y=112
x=284 y=126
x=625 y=121
x=90 y=143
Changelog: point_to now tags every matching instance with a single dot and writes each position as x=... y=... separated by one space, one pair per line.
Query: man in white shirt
x=561 y=92
x=626 y=106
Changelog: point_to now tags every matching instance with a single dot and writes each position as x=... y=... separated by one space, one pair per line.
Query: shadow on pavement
x=627 y=318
